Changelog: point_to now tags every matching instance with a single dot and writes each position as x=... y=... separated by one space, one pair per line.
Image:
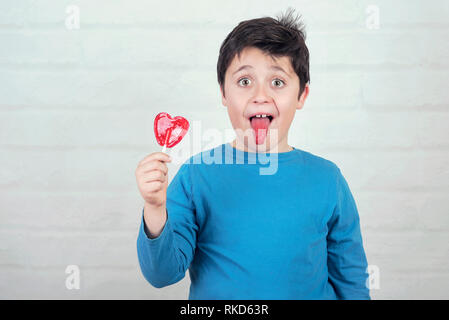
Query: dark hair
x=282 y=37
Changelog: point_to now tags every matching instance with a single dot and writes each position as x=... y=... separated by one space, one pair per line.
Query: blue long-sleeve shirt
x=284 y=226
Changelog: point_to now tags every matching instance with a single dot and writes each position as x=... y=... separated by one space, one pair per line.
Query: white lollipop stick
x=166 y=141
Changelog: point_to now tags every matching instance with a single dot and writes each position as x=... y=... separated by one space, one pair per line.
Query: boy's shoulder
x=319 y=166
x=314 y=160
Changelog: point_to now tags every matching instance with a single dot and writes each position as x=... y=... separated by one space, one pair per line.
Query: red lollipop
x=169 y=131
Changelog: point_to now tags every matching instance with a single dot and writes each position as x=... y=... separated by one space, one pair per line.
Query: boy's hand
x=152 y=179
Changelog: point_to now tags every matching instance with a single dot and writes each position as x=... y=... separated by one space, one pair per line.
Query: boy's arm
x=347 y=264
x=165 y=259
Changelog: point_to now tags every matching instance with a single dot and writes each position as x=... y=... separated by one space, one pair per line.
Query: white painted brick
x=71 y=128
x=77 y=89
x=407 y=252
x=70 y=170
x=360 y=128
x=433 y=129
x=401 y=211
x=400 y=90
x=400 y=13
x=95 y=283
x=111 y=283
x=50 y=46
x=415 y=13
x=159 y=13
x=74 y=170
x=111 y=47
x=86 y=211
x=332 y=90
x=418 y=285
x=122 y=47
x=364 y=47
x=200 y=47
x=392 y=170
x=151 y=89
x=61 y=247
x=27 y=12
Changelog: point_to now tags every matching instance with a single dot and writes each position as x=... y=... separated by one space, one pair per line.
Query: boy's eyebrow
x=246 y=66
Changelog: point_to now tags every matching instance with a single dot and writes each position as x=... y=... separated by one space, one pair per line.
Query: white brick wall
x=76 y=112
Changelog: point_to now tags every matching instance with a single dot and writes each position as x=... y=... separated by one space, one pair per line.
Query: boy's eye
x=240 y=81
x=277 y=82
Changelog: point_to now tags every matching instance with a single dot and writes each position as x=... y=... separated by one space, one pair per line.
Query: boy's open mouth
x=260 y=124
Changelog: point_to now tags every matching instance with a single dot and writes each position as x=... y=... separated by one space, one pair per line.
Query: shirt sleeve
x=165 y=259
x=347 y=264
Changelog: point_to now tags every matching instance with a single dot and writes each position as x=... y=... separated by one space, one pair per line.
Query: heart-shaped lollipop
x=169 y=131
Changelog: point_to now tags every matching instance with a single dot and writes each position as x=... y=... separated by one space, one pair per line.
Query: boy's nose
x=261 y=95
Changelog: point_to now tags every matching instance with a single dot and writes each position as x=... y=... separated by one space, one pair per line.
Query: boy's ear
x=303 y=97
x=223 y=99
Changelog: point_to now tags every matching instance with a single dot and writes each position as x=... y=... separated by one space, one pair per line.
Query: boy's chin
x=248 y=142
x=265 y=147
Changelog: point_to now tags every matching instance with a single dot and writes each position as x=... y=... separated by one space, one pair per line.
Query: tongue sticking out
x=260 y=127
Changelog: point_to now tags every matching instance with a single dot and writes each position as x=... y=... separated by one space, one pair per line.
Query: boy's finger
x=155 y=175
x=161 y=156
x=154 y=165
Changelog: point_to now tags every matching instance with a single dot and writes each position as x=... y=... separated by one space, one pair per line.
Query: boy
x=291 y=234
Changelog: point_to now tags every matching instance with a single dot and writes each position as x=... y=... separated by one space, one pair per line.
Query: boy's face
x=262 y=88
